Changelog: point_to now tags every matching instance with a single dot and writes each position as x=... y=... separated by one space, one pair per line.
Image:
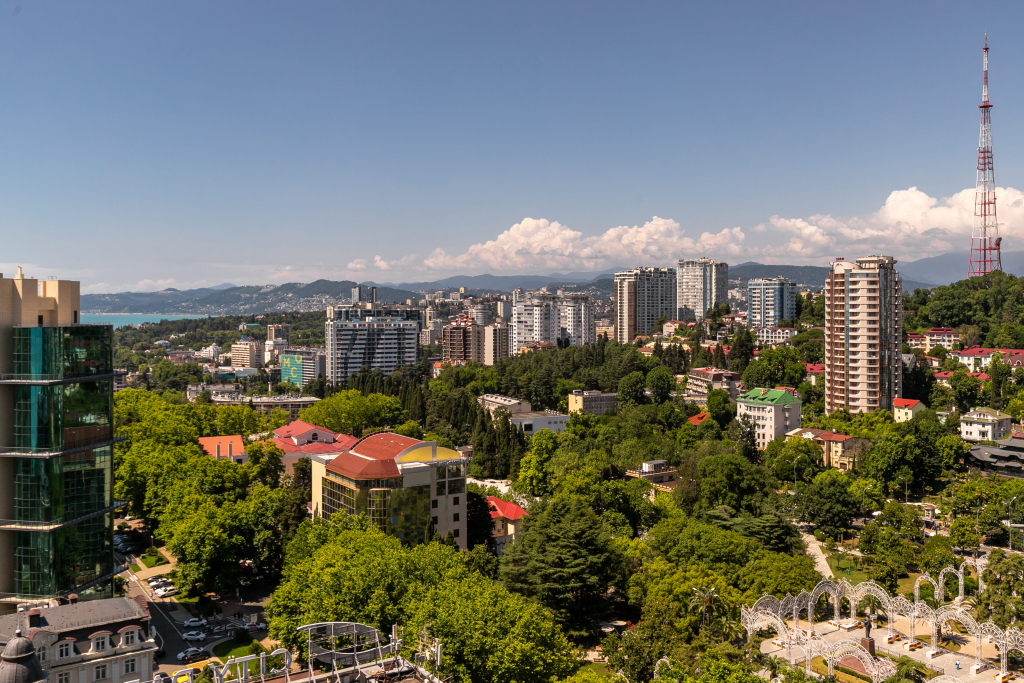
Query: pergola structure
x=771 y=613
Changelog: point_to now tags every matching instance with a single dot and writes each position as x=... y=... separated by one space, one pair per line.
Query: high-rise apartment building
x=281 y=332
x=462 y=342
x=302 y=366
x=505 y=310
x=863 y=335
x=700 y=284
x=771 y=300
x=378 y=311
x=642 y=295
x=481 y=314
x=362 y=294
x=554 y=318
x=56 y=439
x=496 y=343
x=384 y=344
x=246 y=353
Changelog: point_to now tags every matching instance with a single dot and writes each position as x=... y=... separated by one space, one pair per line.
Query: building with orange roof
x=904 y=409
x=508 y=520
x=697 y=420
x=403 y=485
x=300 y=439
x=224 y=447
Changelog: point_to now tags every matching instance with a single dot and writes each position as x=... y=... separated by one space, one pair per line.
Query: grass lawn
x=600 y=668
x=154 y=560
x=856 y=575
x=232 y=648
x=136 y=568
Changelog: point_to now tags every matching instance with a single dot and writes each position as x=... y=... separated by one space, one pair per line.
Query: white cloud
x=356 y=266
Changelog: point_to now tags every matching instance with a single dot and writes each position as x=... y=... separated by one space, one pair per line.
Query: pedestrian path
x=815 y=552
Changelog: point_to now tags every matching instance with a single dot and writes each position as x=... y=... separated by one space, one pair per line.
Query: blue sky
x=179 y=144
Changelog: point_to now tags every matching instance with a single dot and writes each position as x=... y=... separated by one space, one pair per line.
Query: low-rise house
x=698 y=420
x=814 y=372
x=671 y=326
x=264 y=405
x=940 y=336
x=492 y=402
x=224 y=447
x=984 y=424
x=773 y=412
x=701 y=381
x=978 y=358
x=841 y=450
x=904 y=409
x=943 y=377
x=300 y=439
x=534 y=421
x=103 y=641
x=1006 y=458
x=659 y=473
x=223 y=391
x=507 y=518
x=916 y=340
x=593 y=402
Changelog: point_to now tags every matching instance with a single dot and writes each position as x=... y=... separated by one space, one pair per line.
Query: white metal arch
x=861 y=590
x=753 y=622
x=826 y=587
x=878 y=669
x=948 y=613
x=935 y=588
x=942 y=581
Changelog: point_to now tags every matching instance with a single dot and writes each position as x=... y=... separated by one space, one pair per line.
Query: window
x=455 y=533
x=455 y=501
x=100 y=644
x=64 y=677
x=433 y=504
x=434 y=520
x=129 y=666
x=129 y=638
x=100 y=672
x=455 y=517
x=64 y=650
x=41 y=653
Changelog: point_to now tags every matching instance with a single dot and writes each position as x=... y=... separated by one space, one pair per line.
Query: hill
x=291 y=296
x=950 y=267
x=814 y=276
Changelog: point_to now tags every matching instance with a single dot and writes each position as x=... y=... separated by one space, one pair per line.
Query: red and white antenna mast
x=985 y=240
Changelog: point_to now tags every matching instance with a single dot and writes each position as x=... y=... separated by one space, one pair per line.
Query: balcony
x=69 y=447
x=50 y=525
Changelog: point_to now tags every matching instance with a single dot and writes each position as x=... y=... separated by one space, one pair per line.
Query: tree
x=479 y=524
x=963 y=534
x=893 y=459
x=349 y=412
x=794 y=458
x=742 y=351
x=661 y=382
x=265 y=462
x=965 y=390
x=562 y=560
x=722 y=411
x=952 y=451
x=533 y=474
x=828 y=504
x=631 y=389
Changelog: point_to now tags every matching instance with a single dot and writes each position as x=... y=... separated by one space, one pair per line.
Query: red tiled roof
x=904 y=402
x=814 y=368
x=983 y=376
x=342 y=442
x=830 y=436
x=209 y=445
x=383 y=445
x=357 y=467
x=504 y=508
x=296 y=428
x=696 y=420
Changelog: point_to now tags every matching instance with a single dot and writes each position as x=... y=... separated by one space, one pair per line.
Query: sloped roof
x=904 y=402
x=297 y=427
x=357 y=467
x=342 y=442
x=504 y=508
x=384 y=445
x=87 y=614
x=209 y=445
x=832 y=436
x=696 y=420
x=769 y=396
x=814 y=368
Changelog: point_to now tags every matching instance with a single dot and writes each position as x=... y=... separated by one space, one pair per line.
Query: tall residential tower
x=700 y=284
x=771 y=300
x=642 y=295
x=863 y=335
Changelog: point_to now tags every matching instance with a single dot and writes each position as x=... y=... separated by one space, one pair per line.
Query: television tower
x=985 y=239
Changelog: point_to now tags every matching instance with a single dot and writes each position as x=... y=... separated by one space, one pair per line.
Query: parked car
x=256 y=627
x=166 y=592
x=194 y=621
x=193 y=635
x=189 y=653
x=161 y=677
x=154 y=580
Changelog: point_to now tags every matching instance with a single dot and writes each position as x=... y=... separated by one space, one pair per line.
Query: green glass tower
x=56 y=449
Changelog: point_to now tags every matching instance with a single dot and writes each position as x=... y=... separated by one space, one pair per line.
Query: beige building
x=701 y=381
x=904 y=409
x=642 y=296
x=247 y=354
x=492 y=402
x=496 y=343
x=281 y=332
x=593 y=402
x=700 y=284
x=863 y=335
x=984 y=424
x=264 y=405
x=94 y=641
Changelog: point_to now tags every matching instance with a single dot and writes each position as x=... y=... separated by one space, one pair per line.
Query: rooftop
x=904 y=402
x=209 y=445
x=88 y=614
x=504 y=508
x=696 y=420
x=775 y=397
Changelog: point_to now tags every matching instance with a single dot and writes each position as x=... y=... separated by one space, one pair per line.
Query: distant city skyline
x=189 y=145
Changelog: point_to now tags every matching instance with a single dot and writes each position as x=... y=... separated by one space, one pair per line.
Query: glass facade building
x=60 y=458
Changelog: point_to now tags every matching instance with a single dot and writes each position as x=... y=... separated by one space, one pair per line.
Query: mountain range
x=228 y=299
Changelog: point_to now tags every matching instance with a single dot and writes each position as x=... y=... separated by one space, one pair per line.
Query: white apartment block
x=700 y=284
x=496 y=343
x=379 y=344
x=642 y=295
x=773 y=335
x=542 y=317
x=863 y=335
x=771 y=300
x=773 y=412
x=247 y=354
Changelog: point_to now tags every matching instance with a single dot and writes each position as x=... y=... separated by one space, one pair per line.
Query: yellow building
x=904 y=409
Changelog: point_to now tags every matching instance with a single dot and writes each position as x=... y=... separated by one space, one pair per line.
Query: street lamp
x=906 y=496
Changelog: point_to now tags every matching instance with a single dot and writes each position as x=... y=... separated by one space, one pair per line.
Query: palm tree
x=704 y=601
x=775 y=665
x=727 y=627
x=909 y=670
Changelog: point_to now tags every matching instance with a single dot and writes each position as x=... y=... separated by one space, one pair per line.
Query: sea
x=122 y=319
